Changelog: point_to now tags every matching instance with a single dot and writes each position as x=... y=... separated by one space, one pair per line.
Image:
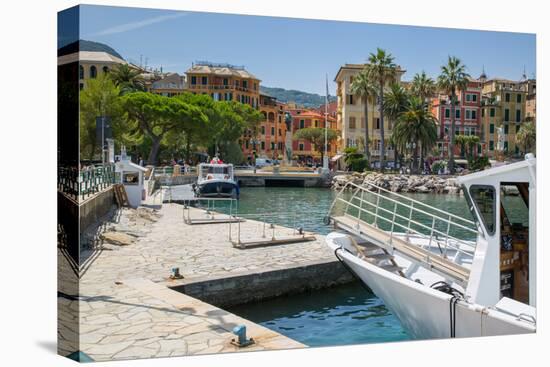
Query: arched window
x=81 y=72
x=271 y=117
x=93 y=71
x=105 y=69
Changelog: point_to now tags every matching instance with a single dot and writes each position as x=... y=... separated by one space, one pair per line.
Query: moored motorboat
x=440 y=274
x=216 y=180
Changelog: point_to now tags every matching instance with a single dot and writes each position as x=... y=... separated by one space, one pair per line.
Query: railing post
x=410 y=217
x=447 y=234
x=393 y=222
x=432 y=232
x=376 y=210
x=360 y=208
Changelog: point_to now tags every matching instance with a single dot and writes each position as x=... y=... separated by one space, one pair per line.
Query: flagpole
x=325 y=157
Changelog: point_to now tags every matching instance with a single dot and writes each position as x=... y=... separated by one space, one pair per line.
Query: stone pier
x=130 y=308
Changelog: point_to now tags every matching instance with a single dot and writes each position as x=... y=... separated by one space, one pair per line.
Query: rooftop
x=203 y=67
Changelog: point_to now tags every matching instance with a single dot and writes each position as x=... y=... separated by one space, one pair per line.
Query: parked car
x=264 y=162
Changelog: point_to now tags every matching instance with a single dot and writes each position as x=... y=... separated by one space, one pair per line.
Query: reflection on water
x=336 y=316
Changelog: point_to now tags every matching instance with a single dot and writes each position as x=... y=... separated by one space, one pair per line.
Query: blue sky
x=297 y=53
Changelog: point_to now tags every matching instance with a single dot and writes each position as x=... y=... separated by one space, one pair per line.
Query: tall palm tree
x=416 y=125
x=423 y=86
x=453 y=79
x=396 y=100
x=381 y=69
x=127 y=79
x=363 y=87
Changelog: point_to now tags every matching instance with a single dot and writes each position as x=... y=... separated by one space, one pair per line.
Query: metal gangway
x=438 y=240
x=267 y=229
x=202 y=210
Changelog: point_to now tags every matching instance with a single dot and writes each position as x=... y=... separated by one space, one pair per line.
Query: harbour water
x=341 y=315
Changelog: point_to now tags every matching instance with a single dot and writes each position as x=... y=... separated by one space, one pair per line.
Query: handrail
x=408 y=229
x=411 y=200
x=423 y=212
x=436 y=215
x=457 y=248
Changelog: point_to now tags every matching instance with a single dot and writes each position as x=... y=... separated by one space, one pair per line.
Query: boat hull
x=425 y=312
x=218 y=188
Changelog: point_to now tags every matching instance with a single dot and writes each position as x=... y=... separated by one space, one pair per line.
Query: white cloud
x=136 y=25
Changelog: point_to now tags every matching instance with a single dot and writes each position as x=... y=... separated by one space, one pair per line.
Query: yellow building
x=223 y=82
x=170 y=85
x=502 y=114
x=351 y=114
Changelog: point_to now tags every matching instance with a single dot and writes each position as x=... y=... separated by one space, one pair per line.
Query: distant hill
x=299 y=97
x=84 y=45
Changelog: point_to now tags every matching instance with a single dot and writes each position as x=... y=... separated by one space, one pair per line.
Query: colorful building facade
x=351 y=115
x=224 y=82
x=269 y=140
x=303 y=150
x=467 y=118
x=503 y=111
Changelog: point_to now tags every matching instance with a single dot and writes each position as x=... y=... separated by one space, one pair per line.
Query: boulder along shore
x=401 y=183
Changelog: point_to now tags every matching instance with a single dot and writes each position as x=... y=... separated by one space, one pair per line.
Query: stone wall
x=251 y=287
x=96 y=207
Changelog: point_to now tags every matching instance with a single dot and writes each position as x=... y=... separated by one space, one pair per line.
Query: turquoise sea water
x=341 y=315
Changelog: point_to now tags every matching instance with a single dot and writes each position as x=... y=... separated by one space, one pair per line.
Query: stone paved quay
x=126 y=309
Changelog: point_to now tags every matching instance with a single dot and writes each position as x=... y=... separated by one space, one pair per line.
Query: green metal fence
x=79 y=185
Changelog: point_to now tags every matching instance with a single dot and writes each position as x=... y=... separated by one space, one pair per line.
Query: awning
x=336 y=157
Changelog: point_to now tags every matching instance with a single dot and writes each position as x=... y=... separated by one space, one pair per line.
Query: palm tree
x=453 y=79
x=127 y=79
x=423 y=86
x=417 y=125
x=381 y=69
x=362 y=86
x=396 y=100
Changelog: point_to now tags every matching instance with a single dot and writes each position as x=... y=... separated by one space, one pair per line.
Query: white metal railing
x=408 y=210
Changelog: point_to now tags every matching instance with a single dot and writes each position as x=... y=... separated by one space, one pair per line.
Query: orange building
x=269 y=141
x=304 y=118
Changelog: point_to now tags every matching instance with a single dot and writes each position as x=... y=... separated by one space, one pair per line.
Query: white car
x=264 y=162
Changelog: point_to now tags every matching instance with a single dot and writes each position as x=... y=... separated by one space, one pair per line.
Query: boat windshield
x=219 y=170
x=484 y=199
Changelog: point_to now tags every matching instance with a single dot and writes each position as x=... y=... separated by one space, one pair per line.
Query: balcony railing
x=221 y=87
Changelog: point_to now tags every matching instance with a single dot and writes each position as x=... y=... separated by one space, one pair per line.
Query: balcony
x=221 y=87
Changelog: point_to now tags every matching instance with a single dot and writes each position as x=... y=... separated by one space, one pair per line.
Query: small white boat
x=440 y=274
x=216 y=180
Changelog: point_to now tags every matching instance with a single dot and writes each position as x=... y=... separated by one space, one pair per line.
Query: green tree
x=354 y=160
x=527 y=137
x=153 y=115
x=467 y=144
x=99 y=98
x=197 y=127
x=363 y=87
x=316 y=136
x=416 y=126
x=452 y=80
x=381 y=69
x=231 y=120
x=127 y=79
x=423 y=86
x=396 y=100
